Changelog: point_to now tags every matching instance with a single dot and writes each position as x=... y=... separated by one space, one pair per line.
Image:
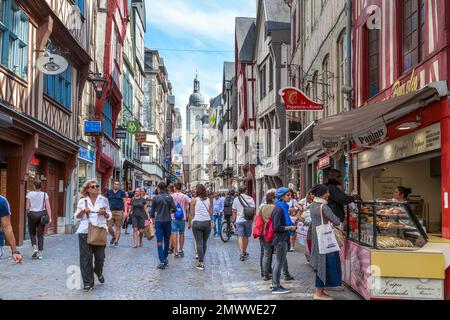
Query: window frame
x=416 y=37
x=59 y=88
x=107 y=118
x=372 y=70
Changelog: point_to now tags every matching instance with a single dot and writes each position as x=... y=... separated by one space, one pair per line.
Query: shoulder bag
x=325 y=236
x=96 y=235
x=249 y=212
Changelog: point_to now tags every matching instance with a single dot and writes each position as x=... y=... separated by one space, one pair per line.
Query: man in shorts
x=118 y=203
x=6 y=229
x=179 y=225
x=243 y=226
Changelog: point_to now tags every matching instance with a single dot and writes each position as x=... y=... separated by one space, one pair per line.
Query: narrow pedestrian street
x=132 y=274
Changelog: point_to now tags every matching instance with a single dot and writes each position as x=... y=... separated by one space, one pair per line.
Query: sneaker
x=289 y=278
x=246 y=255
x=196 y=256
x=35 y=252
x=161 y=266
x=166 y=263
x=201 y=266
x=113 y=240
x=280 y=290
x=101 y=279
x=291 y=250
x=40 y=255
x=116 y=244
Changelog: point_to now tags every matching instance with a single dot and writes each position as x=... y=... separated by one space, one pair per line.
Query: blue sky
x=195 y=25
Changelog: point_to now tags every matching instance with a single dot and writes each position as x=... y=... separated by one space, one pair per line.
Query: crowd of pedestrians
x=169 y=209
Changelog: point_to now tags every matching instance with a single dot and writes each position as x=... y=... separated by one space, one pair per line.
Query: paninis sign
x=371 y=136
x=295 y=100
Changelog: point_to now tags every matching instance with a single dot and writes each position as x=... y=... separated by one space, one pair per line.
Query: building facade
x=39 y=132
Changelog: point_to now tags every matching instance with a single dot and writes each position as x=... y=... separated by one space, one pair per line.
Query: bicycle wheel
x=224 y=234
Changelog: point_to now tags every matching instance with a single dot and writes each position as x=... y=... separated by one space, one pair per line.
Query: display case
x=385 y=225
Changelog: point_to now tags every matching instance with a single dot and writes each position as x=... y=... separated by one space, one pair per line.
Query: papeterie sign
x=295 y=100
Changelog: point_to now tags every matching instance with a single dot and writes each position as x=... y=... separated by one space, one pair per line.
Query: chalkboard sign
x=383 y=187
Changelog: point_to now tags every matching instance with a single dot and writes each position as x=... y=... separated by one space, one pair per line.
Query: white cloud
x=189 y=18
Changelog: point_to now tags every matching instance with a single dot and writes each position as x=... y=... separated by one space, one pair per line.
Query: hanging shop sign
x=92 y=127
x=330 y=146
x=324 y=162
x=140 y=137
x=133 y=126
x=295 y=100
x=297 y=161
x=145 y=151
x=87 y=155
x=121 y=133
x=371 y=136
x=423 y=140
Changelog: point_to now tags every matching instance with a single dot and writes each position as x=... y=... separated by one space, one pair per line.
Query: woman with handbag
x=326 y=266
x=39 y=215
x=93 y=211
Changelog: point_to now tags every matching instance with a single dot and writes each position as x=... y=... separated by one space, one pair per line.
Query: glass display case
x=385 y=225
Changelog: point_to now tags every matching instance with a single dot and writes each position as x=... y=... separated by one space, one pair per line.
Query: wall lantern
x=99 y=83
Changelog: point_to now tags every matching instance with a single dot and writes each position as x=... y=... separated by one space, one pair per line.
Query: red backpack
x=258 y=227
x=269 y=232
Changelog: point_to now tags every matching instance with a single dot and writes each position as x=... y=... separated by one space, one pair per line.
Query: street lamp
x=99 y=83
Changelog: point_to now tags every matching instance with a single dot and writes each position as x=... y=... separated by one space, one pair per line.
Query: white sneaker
x=35 y=252
x=40 y=255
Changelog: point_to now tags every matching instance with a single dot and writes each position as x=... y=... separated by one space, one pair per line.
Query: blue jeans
x=217 y=224
x=163 y=230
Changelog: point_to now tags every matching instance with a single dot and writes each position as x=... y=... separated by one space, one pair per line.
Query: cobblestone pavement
x=132 y=274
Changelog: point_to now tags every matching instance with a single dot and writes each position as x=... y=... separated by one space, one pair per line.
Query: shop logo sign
x=373 y=136
x=133 y=126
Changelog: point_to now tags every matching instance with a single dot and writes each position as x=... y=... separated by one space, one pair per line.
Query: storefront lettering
x=410 y=288
x=412 y=85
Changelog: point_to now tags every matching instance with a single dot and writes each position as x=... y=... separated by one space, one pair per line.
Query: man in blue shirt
x=6 y=228
x=217 y=213
x=118 y=204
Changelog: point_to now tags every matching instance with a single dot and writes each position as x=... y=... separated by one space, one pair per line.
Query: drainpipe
x=348 y=90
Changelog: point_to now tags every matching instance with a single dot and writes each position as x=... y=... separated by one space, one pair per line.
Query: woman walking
x=281 y=226
x=38 y=206
x=92 y=208
x=326 y=266
x=140 y=214
x=200 y=215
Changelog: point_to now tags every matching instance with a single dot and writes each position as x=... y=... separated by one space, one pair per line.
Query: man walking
x=244 y=223
x=118 y=203
x=6 y=228
x=162 y=209
x=218 y=203
x=182 y=202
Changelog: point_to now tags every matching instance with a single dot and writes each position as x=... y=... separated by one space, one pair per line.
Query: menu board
x=383 y=187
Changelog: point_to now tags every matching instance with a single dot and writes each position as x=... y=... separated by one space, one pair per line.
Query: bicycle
x=227 y=230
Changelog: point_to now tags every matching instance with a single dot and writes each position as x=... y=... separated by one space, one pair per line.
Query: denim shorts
x=244 y=229
x=178 y=226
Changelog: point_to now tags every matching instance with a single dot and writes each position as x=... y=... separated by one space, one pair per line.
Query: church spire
x=196 y=82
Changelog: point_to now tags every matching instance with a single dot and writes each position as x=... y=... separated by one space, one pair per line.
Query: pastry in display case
x=386 y=225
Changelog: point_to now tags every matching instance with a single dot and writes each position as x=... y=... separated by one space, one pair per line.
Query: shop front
x=106 y=159
x=398 y=250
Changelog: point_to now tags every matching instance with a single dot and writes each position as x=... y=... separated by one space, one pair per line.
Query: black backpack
x=228 y=206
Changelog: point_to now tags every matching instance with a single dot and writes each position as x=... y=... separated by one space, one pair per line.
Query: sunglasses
x=94 y=186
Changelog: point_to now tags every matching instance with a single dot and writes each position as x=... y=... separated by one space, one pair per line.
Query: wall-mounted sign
x=85 y=154
x=383 y=187
x=140 y=137
x=133 y=126
x=324 y=162
x=295 y=100
x=92 y=127
x=145 y=151
x=178 y=172
x=371 y=136
x=400 y=89
x=121 y=133
x=421 y=141
x=35 y=161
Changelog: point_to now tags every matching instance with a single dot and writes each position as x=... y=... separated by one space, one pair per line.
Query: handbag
x=249 y=212
x=326 y=237
x=45 y=219
x=96 y=235
x=149 y=230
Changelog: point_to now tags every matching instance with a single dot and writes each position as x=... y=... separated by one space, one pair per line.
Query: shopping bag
x=149 y=230
x=326 y=237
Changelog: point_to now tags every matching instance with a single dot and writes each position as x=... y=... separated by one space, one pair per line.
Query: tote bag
x=325 y=236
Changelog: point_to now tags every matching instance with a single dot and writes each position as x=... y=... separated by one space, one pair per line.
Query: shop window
x=413 y=32
x=373 y=62
x=13 y=38
x=270 y=74
x=262 y=83
x=59 y=87
x=107 y=123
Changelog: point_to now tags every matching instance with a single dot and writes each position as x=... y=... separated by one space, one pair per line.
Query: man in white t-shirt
x=243 y=226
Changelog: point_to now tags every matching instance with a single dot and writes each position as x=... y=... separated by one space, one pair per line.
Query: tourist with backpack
x=280 y=223
x=244 y=210
x=228 y=207
x=182 y=202
x=218 y=205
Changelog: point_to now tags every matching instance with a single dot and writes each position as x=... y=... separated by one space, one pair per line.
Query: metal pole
x=348 y=83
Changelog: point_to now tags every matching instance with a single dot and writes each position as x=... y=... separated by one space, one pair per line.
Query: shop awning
x=345 y=125
x=301 y=141
x=130 y=164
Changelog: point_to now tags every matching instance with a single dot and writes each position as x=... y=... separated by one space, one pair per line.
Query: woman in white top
x=200 y=215
x=93 y=208
x=38 y=207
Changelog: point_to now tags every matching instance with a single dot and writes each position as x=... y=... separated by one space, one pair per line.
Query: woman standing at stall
x=92 y=208
x=140 y=214
x=326 y=266
x=39 y=215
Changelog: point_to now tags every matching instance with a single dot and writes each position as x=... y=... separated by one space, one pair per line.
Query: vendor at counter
x=338 y=199
x=402 y=193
